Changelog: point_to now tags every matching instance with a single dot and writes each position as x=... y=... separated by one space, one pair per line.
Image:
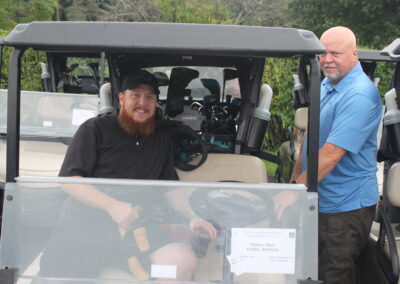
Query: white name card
x=262 y=250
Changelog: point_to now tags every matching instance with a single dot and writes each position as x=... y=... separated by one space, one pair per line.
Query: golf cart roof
x=392 y=50
x=165 y=38
x=373 y=55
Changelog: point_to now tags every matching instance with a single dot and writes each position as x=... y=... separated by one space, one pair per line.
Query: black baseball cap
x=137 y=78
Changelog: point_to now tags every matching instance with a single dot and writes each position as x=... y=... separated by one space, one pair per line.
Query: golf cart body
x=384 y=238
x=253 y=245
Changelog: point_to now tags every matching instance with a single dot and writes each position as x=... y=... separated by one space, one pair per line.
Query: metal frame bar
x=1 y=57
x=13 y=114
x=313 y=126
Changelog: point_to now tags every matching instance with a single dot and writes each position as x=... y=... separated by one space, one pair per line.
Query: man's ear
x=121 y=98
x=355 y=52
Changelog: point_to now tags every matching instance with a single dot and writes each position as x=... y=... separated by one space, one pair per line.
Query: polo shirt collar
x=345 y=81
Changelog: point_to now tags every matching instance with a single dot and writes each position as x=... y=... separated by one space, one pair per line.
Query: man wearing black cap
x=129 y=145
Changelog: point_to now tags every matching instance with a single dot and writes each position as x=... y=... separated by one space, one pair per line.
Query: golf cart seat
x=388 y=244
x=300 y=121
x=289 y=150
x=227 y=167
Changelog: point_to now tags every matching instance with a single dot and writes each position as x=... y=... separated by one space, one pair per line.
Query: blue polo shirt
x=350 y=115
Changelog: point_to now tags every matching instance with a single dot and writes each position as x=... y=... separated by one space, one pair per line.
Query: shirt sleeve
x=354 y=121
x=81 y=155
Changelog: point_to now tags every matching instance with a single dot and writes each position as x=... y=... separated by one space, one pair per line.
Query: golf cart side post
x=253 y=42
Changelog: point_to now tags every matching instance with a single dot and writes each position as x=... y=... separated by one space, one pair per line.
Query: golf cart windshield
x=252 y=246
x=50 y=115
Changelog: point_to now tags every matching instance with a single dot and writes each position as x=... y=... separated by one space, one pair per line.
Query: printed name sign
x=262 y=250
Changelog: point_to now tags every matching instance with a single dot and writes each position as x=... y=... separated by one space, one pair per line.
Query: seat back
x=388 y=242
x=301 y=118
x=392 y=186
x=227 y=167
x=289 y=150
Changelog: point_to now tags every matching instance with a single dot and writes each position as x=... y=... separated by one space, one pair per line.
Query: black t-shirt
x=101 y=148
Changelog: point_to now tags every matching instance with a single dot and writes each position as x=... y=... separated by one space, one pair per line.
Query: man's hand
x=123 y=213
x=198 y=223
x=283 y=200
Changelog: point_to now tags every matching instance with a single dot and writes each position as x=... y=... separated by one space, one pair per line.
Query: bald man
x=350 y=114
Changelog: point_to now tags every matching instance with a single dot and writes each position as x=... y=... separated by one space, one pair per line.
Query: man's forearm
x=89 y=195
x=179 y=201
x=328 y=157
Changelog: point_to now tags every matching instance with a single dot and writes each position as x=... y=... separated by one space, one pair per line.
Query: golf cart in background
x=289 y=150
x=227 y=99
x=385 y=234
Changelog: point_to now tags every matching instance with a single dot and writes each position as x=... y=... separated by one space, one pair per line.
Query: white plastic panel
x=45 y=231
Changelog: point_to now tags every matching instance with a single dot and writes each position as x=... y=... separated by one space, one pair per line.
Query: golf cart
x=210 y=78
x=380 y=260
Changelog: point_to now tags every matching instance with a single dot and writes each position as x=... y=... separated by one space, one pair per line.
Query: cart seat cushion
x=227 y=167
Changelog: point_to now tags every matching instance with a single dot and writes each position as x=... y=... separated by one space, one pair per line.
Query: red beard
x=133 y=127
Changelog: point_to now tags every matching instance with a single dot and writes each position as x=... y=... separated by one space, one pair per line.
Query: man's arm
x=179 y=201
x=328 y=157
x=121 y=212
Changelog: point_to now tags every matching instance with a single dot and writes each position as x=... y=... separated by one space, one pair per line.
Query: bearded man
x=129 y=145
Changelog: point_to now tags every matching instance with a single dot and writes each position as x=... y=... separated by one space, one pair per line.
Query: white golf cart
x=211 y=78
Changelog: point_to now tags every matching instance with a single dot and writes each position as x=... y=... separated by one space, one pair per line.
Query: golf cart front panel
x=252 y=245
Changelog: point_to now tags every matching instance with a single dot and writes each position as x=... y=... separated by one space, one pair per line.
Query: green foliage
x=271 y=167
x=5 y=18
x=82 y=10
x=365 y=17
x=193 y=11
x=278 y=73
x=24 y=11
x=4 y=67
x=271 y=13
x=384 y=70
x=128 y=11
x=30 y=69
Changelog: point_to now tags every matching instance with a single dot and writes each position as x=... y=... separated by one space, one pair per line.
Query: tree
x=272 y=13
x=6 y=22
x=129 y=11
x=194 y=11
x=365 y=17
x=24 y=11
x=182 y=11
x=81 y=10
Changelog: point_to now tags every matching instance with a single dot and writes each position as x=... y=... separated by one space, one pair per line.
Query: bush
x=30 y=65
x=278 y=73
